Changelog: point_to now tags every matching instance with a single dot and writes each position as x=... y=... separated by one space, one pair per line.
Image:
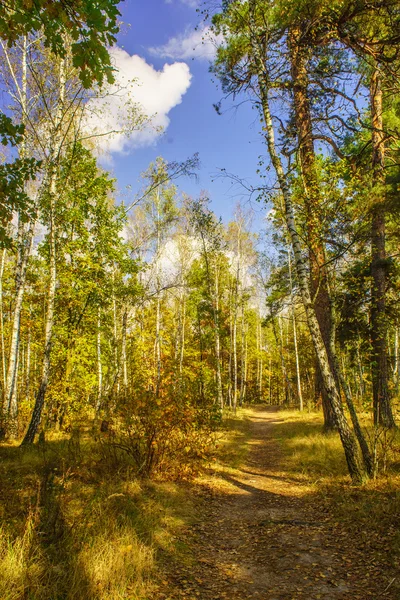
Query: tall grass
x=74 y=530
x=373 y=509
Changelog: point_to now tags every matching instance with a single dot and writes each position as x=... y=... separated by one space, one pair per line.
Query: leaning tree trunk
x=380 y=373
x=329 y=382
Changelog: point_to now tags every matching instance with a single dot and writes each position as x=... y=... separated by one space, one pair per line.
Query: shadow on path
x=261 y=534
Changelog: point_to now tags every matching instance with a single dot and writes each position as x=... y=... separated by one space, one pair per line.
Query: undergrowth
x=79 y=523
x=73 y=529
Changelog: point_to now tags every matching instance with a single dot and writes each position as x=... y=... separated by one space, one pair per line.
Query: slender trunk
x=182 y=345
x=99 y=363
x=28 y=365
x=218 y=342
x=296 y=351
x=269 y=380
x=242 y=359
x=396 y=366
x=260 y=380
x=15 y=332
x=360 y=371
x=383 y=414
x=230 y=354
x=157 y=345
x=3 y=349
x=285 y=377
x=258 y=355
x=115 y=343
x=346 y=435
x=234 y=341
x=123 y=350
x=24 y=245
x=245 y=370
x=40 y=396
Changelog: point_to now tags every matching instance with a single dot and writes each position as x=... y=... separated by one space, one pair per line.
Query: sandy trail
x=264 y=537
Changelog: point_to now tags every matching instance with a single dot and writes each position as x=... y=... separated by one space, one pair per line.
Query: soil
x=264 y=536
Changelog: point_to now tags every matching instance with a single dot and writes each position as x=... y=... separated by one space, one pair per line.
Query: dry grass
x=76 y=531
x=307 y=451
x=319 y=460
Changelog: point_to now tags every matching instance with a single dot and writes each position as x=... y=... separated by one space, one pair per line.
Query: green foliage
x=91 y=25
x=13 y=197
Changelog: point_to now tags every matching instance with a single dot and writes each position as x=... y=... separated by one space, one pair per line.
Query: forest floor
x=263 y=531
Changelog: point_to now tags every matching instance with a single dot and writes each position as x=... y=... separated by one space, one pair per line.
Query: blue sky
x=231 y=141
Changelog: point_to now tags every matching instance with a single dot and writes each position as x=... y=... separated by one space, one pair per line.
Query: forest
x=194 y=407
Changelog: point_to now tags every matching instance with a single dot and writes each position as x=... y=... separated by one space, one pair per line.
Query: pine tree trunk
x=383 y=414
x=312 y=201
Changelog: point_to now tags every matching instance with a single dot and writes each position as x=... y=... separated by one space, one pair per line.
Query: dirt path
x=262 y=536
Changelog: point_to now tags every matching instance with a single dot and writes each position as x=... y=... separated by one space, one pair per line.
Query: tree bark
x=383 y=414
x=312 y=202
x=99 y=363
x=40 y=396
x=296 y=351
x=3 y=348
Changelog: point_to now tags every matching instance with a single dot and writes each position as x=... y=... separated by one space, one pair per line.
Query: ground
x=263 y=534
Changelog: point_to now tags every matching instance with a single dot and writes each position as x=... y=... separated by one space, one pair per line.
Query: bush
x=161 y=434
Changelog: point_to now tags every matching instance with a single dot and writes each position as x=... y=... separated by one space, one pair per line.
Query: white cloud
x=200 y=43
x=138 y=87
x=189 y=3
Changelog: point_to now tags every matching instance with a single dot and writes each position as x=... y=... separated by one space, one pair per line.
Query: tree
x=92 y=27
x=257 y=41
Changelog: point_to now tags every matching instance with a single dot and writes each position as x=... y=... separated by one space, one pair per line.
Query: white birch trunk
x=52 y=175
